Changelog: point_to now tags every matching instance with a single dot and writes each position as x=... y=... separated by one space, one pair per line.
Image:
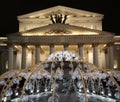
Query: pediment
x=71 y=12
x=62 y=29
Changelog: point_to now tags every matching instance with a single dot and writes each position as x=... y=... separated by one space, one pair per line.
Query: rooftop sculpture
x=58 y=18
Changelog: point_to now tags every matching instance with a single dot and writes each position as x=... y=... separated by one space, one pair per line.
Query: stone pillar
x=23 y=62
x=33 y=57
x=80 y=48
x=51 y=48
x=106 y=58
x=95 y=54
x=110 y=54
x=3 y=59
x=65 y=47
x=10 y=57
x=37 y=54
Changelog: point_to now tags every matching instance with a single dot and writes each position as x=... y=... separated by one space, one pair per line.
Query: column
x=23 y=62
x=3 y=56
x=110 y=53
x=80 y=48
x=65 y=47
x=95 y=54
x=33 y=57
x=10 y=57
x=37 y=54
x=51 y=48
x=106 y=58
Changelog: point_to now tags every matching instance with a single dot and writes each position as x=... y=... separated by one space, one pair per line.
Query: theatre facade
x=59 y=28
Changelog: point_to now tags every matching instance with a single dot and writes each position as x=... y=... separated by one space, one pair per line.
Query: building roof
x=60 y=9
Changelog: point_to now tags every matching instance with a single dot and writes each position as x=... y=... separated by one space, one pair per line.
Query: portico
x=56 y=29
x=89 y=47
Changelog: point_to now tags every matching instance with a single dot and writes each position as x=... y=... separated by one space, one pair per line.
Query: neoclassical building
x=59 y=28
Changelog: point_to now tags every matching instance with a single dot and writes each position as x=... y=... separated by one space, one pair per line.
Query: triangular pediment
x=60 y=10
x=62 y=29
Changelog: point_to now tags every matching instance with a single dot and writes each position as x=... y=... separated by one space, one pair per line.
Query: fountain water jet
x=64 y=76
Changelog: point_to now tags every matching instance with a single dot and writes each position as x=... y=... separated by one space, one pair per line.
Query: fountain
x=63 y=77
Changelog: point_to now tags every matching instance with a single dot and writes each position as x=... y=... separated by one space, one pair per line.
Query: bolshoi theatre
x=59 y=28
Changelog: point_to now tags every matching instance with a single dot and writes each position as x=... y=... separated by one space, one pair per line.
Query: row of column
x=37 y=54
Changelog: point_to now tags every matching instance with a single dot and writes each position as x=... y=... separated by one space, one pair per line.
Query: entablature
x=45 y=40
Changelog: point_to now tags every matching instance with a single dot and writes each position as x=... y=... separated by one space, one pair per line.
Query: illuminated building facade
x=59 y=28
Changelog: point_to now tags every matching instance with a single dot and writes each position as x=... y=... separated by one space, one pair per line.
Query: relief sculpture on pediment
x=58 y=31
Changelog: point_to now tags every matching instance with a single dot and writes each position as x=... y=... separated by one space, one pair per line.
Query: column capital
x=66 y=45
x=24 y=45
x=95 y=44
x=51 y=45
x=81 y=44
x=37 y=45
x=110 y=44
x=9 y=44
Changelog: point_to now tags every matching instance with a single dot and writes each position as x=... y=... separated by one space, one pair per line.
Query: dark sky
x=10 y=9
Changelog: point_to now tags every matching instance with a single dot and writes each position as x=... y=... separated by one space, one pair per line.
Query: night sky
x=10 y=9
